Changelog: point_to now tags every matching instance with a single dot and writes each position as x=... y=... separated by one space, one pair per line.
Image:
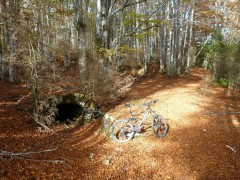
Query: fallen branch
x=39 y=123
x=22 y=98
x=22 y=154
x=232 y=149
x=219 y=114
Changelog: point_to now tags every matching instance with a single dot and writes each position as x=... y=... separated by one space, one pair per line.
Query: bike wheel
x=159 y=126
x=121 y=131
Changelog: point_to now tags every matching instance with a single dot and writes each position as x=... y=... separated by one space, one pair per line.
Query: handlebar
x=150 y=103
x=145 y=104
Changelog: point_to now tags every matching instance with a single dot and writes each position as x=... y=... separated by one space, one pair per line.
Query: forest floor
x=203 y=141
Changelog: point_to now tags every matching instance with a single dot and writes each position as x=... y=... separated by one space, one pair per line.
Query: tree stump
x=107 y=121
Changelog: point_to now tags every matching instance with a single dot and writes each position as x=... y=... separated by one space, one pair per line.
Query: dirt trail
x=196 y=147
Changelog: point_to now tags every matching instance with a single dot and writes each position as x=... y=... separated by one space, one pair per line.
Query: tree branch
x=209 y=36
x=23 y=155
x=12 y=154
x=142 y=22
x=141 y=30
x=127 y=5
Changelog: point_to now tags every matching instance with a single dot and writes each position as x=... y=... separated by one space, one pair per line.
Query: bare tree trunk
x=81 y=28
x=67 y=37
x=185 y=34
x=173 y=38
x=40 y=32
x=13 y=39
x=99 y=19
x=2 y=38
x=225 y=11
x=5 y=37
x=168 y=42
x=137 y=38
x=163 y=38
x=102 y=22
x=180 y=41
x=12 y=57
x=146 y=45
x=106 y=18
x=32 y=62
x=190 y=36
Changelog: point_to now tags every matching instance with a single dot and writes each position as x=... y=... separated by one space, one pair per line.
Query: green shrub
x=223 y=82
x=222 y=57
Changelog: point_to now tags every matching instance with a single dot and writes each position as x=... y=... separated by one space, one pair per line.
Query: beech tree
x=81 y=26
x=115 y=33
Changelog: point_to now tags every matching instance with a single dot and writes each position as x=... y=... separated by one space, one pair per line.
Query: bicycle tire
x=159 y=126
x=124 y=131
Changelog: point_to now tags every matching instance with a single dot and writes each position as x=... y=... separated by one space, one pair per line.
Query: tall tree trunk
x=40 y=32
x=164 y=38
x=13 y=39
x=103 y=21
x=169 y=42
x=2 y=35
x=225 y=17
x=99 y=19
x=184 y=53
x=137 y=38
x=180 y=41
x=106 y=23
x=67 y=37
x=174 y=38
x=146 y=44
x=161 y=39
x=190 y=36
x=81 y=46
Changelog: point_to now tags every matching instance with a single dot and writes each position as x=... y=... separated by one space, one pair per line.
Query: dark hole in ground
x=68 y=111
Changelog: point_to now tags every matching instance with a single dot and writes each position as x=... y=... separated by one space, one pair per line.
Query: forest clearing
x=202 y=142
x=71 y=71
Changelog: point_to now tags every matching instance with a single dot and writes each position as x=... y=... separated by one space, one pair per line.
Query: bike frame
x=125 y=129
x=148 y=111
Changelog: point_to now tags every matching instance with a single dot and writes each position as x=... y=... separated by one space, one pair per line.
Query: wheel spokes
x=159 y=127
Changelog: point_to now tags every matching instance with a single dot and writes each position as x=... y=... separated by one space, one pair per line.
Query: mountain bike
x=123 y=130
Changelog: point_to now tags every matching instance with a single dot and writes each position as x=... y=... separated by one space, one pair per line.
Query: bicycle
x=123 y=131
